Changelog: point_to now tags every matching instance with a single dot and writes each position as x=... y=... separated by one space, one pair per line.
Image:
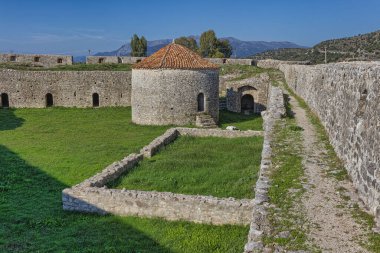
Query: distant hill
x=240 y=48
x=364 y=47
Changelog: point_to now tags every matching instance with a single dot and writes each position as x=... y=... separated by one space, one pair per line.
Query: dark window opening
x=224 y=61
x=247 y=102
x=201 y=102
x=75 y=93
x=95 y=100
x=4 y=100
x=60 y=60
x=13 y=58
x=49 y=100
x=36 y=59
x=139 y=60
x=119 y=60
x=101 y=60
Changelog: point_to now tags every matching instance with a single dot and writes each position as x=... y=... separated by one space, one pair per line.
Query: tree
x=190 y=43
x=211 y=46
x=208 y=43
x=225 y=48
x=139 y=46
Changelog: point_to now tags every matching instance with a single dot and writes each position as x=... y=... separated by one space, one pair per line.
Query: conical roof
x=174 y=56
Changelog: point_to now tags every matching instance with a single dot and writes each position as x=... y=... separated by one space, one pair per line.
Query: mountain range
x=240 y=48
x=363 y=47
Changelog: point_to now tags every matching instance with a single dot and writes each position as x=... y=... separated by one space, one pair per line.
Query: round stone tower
x=173 y=86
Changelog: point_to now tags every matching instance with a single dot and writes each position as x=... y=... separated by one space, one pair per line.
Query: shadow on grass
x=8 y=119
x=32 y=219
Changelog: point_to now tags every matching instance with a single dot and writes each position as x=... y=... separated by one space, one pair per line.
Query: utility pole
x=325 y=55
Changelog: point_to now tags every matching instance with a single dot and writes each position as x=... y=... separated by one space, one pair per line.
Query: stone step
x=205 y=121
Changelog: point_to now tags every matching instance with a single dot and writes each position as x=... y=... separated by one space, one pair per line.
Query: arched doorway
x=247 y=103
x=49 y=100
x=4 y=100
x=95 y=100
x=201 y=102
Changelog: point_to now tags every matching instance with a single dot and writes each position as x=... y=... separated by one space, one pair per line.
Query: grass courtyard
x=43 y=151
x=201 y=166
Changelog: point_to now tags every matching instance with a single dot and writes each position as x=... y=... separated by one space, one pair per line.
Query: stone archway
x=247 y=103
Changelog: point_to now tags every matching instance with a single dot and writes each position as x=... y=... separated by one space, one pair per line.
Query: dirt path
x=332 y=227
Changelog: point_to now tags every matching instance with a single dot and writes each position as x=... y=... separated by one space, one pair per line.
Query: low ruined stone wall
x=260 y=226
x=93 y=196
x=37 y=59
x=171 y=206
x=346 y=97
x=275 y=64
x=113 y=59
x=68 y=88
x=199 y=132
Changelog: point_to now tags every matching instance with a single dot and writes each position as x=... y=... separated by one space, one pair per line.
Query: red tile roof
x=175 y=56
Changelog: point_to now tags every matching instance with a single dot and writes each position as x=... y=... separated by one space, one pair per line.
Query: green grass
x=242 y=71
x=43 y=151
x=287 y=176
x=74 y=67
x=214 y=166
x=241 y=121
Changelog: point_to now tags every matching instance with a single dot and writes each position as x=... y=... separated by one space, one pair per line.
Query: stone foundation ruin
x=92 y=196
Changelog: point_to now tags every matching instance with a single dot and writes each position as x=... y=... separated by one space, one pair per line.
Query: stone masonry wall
x=346 y=97
x=37 y=59
x=69 y=88
x=275 y=64
x=169 y=96
x=260 y=226
x=171 y=206
x=222 y=61
x=113 y=59
x=256 y=86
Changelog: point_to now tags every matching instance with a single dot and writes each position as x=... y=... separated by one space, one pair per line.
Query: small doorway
x=4 y=100
x=247 y=103
x=49 y=100
x=95 y=100
x=201 y=102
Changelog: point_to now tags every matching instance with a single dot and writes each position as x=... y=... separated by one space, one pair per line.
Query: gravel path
x=332 y=227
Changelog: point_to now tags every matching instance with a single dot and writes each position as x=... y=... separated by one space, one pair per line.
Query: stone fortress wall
x=132 y=60
x=37 y=59
x=222 y=61
x=67 y=88
x=346 y=97
x=275 y=64
x=113 y=59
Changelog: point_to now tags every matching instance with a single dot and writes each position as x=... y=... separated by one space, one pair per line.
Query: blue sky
x=74 y=26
